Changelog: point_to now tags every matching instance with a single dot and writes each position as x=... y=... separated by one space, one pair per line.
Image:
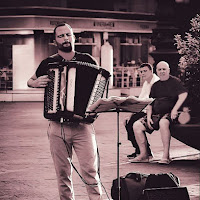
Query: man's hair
x=146 y=65
x=58 y=25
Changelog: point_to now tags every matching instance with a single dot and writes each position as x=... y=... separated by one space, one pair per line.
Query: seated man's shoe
x=139 y=160
x=133 y=155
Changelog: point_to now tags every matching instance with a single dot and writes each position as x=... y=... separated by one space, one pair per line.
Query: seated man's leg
x=148 y=147
x=166 y=137
x=131 y=135
x=139 y=130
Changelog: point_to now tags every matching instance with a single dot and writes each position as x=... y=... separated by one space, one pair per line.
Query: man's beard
x=65 y=49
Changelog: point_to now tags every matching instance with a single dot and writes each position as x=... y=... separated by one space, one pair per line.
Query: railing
x=126 y=77
x=5 y=79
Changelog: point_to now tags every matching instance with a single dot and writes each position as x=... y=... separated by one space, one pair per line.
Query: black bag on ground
x=132 y=186
x=162 y=180
x=164 y=187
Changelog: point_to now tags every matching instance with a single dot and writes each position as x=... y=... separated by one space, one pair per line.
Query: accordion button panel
x=53 y=101
x=98 y=89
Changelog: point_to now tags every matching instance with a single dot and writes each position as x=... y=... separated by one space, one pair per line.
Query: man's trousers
x=81 y=137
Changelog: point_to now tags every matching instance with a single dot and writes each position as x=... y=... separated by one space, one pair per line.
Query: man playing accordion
x=68 y=133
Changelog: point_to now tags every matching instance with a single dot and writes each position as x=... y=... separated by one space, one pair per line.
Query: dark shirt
x=43 y=67
x=166 y=94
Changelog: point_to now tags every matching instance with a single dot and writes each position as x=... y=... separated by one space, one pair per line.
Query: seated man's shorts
x=156 y=119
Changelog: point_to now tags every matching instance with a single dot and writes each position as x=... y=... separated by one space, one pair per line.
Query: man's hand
x=181 y=99
x=40 y=82
x=174 y=114
x=91 y=117
x=149 y=119
x=149 y=122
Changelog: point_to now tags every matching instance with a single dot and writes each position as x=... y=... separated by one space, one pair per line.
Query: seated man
x=169 y=95
x=146 y=73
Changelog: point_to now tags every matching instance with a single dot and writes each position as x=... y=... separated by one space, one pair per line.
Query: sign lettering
x=104 y=24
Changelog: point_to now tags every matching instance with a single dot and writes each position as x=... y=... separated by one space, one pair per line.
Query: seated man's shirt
x=166 y=95
x=146 y=88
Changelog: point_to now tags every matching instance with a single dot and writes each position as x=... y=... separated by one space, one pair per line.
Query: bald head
x=163 y=70
x=163 y=63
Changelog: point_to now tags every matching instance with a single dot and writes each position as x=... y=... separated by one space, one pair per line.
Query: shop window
x=5 y=67
x=84 y=42
x=6 y=58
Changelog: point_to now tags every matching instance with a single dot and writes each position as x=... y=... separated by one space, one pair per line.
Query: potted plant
x=188 y=47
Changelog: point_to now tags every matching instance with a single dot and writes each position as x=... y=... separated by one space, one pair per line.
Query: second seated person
x=146 y=73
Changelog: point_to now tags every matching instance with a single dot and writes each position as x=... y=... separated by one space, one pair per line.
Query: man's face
x=64 y=39
x=163 y=72
x=145 y=73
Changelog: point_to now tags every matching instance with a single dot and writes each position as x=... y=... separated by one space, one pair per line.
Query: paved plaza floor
x=26 y=167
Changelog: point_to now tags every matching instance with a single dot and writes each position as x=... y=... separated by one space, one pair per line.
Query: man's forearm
x=181 y=98
x=149 y=111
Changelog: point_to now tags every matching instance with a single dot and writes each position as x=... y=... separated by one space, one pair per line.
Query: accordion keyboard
x=98 y=90
x=52 y=93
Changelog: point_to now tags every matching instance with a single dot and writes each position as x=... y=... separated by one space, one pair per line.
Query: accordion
x=74 y=86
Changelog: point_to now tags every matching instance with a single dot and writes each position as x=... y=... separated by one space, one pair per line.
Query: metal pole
x=118 y=144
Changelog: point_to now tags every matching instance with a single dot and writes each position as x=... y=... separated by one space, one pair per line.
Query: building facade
x=26 y=39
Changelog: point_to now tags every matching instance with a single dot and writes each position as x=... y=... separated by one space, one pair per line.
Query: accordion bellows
x=74 y=86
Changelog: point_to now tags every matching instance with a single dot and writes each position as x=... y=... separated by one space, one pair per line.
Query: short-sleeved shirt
x=146 y=88
x=43 y=67
x=166 y=94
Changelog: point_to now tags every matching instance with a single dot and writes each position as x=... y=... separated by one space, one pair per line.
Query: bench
x=189 y=134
